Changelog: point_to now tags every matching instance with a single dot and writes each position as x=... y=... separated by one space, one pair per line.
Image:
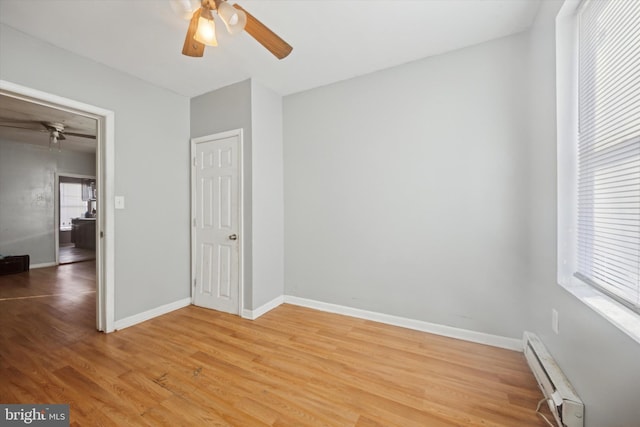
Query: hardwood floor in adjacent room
x=291 y=367
x=68 y=254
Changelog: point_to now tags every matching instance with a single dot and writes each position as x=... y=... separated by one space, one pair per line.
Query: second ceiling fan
x=201 y=30
x=56 y=130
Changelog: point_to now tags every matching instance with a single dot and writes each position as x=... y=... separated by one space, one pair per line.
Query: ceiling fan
x=56 y=131
x=201 y=30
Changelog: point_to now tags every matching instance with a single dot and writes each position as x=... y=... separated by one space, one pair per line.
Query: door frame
x=241 y=243
x=105 y=166
x=56 y=203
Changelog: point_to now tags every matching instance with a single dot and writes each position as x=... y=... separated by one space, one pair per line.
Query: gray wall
x=425 y=191
x=268 y=196
x=258 y=111
x=405 y=190
x=151 y=164
x=601 y=362
x=27 y=205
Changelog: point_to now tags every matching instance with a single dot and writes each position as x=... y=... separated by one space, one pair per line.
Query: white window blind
x=609 y=148
x=71 y=204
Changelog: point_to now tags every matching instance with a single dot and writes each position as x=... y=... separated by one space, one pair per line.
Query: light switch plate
x=119 y=202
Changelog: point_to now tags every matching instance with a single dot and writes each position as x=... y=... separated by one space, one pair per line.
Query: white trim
x=418 y=325
x=264 y=308
x=566 y=134
x=243 y=237
x=241 y=244
x=56 y=218
x=56 y=208
x=620 y=316
x=150 y=314
x=42 y=265
x=105 y=253
x=105 y=167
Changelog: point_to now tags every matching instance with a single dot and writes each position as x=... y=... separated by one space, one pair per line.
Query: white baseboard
x=42 y=265
x=150 y=314
x=254 y=314
x=419 y=325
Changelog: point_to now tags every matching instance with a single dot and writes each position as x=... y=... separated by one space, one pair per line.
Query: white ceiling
x=332 y=40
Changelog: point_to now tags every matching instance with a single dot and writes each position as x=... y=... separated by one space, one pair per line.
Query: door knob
x=233 y=237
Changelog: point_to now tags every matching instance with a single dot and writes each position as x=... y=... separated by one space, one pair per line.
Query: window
x=609 y=148
x=71 y=203
x=598 y=99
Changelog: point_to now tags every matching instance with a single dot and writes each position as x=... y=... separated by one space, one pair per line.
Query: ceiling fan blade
x=79 y=135
x=192 y=47
x=22 y=124
x=267 y=38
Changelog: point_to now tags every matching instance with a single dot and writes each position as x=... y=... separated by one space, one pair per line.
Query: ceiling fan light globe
x=184 y=8
x=206 y=32
x=234 y=19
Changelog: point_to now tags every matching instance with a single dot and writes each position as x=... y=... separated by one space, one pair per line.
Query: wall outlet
x=554 y=321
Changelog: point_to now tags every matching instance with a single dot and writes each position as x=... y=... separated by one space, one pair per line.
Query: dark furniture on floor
x=14 y=264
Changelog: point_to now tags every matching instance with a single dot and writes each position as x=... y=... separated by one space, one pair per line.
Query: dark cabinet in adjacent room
x=83 y=232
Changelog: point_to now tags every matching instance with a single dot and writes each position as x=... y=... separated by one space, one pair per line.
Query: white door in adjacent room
x=216 y=216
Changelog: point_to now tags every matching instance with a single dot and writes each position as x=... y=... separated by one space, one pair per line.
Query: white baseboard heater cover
x=564 y=403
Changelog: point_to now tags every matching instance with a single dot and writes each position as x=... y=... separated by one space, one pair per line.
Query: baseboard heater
x=564 y=403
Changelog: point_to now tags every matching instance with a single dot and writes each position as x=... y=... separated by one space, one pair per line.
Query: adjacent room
x=306 y=212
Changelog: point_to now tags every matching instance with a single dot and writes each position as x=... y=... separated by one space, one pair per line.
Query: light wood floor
x=291 y=367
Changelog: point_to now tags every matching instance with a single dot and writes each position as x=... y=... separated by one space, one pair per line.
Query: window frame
x=614 y=311
x=82 y=206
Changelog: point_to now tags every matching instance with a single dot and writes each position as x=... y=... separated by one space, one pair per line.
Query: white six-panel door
x=216 y=222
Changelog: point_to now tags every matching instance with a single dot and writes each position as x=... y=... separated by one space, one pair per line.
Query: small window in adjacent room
x=71 y=203
x=599 y=158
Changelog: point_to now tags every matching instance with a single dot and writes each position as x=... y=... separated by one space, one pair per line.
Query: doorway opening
x=104 y=189
x=76 y=205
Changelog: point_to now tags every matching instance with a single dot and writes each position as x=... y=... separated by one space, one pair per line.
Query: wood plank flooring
x=68 y=253
x=291 y=367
